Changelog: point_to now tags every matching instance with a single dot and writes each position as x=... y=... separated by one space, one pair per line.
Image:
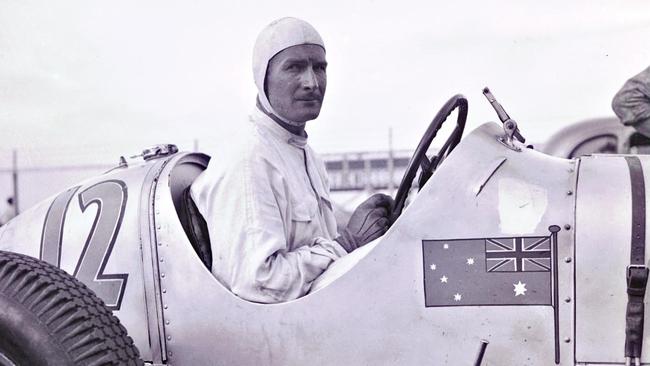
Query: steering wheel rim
x=419 y=157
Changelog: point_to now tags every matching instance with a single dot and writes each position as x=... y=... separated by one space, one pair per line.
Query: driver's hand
x=368 y=222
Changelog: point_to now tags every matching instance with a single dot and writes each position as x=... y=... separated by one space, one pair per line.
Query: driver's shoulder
x=244 y=156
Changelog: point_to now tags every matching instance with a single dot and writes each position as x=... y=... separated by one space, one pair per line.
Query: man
x=632 y=103
x=266 y=199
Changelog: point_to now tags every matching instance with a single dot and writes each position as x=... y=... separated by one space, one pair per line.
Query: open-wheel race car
x=605 y=135
x=506 y=256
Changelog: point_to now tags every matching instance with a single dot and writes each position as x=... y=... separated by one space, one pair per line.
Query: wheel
x=47 y=317
x=419 y=158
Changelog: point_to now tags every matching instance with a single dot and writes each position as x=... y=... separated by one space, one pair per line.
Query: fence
x=31 y=175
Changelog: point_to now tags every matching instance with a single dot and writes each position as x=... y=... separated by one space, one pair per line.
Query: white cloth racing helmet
x=277 y=36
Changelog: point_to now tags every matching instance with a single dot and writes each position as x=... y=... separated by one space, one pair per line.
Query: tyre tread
x=83 y=326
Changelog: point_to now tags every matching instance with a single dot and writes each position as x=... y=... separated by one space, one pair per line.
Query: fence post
x=391 y=162
x=14 y=174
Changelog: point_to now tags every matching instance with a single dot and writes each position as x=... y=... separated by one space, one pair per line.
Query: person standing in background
x=632 y=103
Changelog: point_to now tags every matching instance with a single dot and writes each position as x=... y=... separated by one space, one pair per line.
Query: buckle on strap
x=637 y=279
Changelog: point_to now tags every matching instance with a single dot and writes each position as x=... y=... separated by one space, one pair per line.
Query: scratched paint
x=521 y=206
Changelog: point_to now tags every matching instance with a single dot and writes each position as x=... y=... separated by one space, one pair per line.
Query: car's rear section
x=102 y=232
x=610 y=257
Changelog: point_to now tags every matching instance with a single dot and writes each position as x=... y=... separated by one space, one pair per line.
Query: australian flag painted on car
x=489 y=271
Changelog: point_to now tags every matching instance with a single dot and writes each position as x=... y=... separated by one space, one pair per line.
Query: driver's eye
x=293 y=67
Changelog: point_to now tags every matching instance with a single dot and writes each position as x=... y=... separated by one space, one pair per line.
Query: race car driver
x=265 y=198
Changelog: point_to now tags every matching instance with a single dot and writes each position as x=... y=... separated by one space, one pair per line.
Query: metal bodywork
x=596 y=136
x=603 y=227
x=129 y=257
x=374 y=311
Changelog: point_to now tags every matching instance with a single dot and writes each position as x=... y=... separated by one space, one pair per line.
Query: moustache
x=310 y=97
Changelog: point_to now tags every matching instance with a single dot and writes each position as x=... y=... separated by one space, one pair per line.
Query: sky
x=86 y=81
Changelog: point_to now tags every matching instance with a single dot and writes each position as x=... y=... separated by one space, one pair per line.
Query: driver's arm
x=632 y=103
x=250 y=216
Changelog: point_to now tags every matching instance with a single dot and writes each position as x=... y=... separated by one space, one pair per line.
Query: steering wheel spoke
x=425 y=163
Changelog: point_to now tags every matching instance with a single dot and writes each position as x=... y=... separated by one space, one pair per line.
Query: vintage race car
x=506 y=256
x=596 y=136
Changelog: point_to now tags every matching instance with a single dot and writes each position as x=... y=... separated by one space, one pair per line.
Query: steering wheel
x=419 y=157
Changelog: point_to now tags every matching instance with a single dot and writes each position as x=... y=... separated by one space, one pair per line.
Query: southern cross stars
x=443 y=279
x=445 y=246
x=433 y=267
x=458 y=297
x=520 y=289
x=470 y=261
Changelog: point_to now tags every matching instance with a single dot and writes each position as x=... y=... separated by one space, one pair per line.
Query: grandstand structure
x=366 y=171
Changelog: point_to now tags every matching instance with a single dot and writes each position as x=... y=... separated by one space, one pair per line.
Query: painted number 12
x=110 y=197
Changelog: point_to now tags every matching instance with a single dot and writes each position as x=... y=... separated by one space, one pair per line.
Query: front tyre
x=47 y=317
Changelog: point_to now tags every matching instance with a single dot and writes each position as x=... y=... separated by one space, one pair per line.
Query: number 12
x=110 y=196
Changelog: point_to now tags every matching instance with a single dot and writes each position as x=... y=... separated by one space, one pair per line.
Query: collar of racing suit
x=267 y=123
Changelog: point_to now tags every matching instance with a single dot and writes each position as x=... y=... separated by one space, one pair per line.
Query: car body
x=605 y=135
x=386 y=304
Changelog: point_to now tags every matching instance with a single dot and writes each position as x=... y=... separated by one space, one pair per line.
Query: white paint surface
x=521 y=206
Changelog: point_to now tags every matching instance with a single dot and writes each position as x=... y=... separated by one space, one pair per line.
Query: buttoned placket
x=298 y=142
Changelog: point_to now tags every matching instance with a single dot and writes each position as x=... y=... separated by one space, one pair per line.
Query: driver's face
x=296 y=81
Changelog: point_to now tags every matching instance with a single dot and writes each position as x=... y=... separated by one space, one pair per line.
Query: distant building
x=369 y=171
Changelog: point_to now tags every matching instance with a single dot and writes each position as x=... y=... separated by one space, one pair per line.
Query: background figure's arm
x=632 y=103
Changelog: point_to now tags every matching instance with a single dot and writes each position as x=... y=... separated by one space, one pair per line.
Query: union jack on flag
x=523 y=254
